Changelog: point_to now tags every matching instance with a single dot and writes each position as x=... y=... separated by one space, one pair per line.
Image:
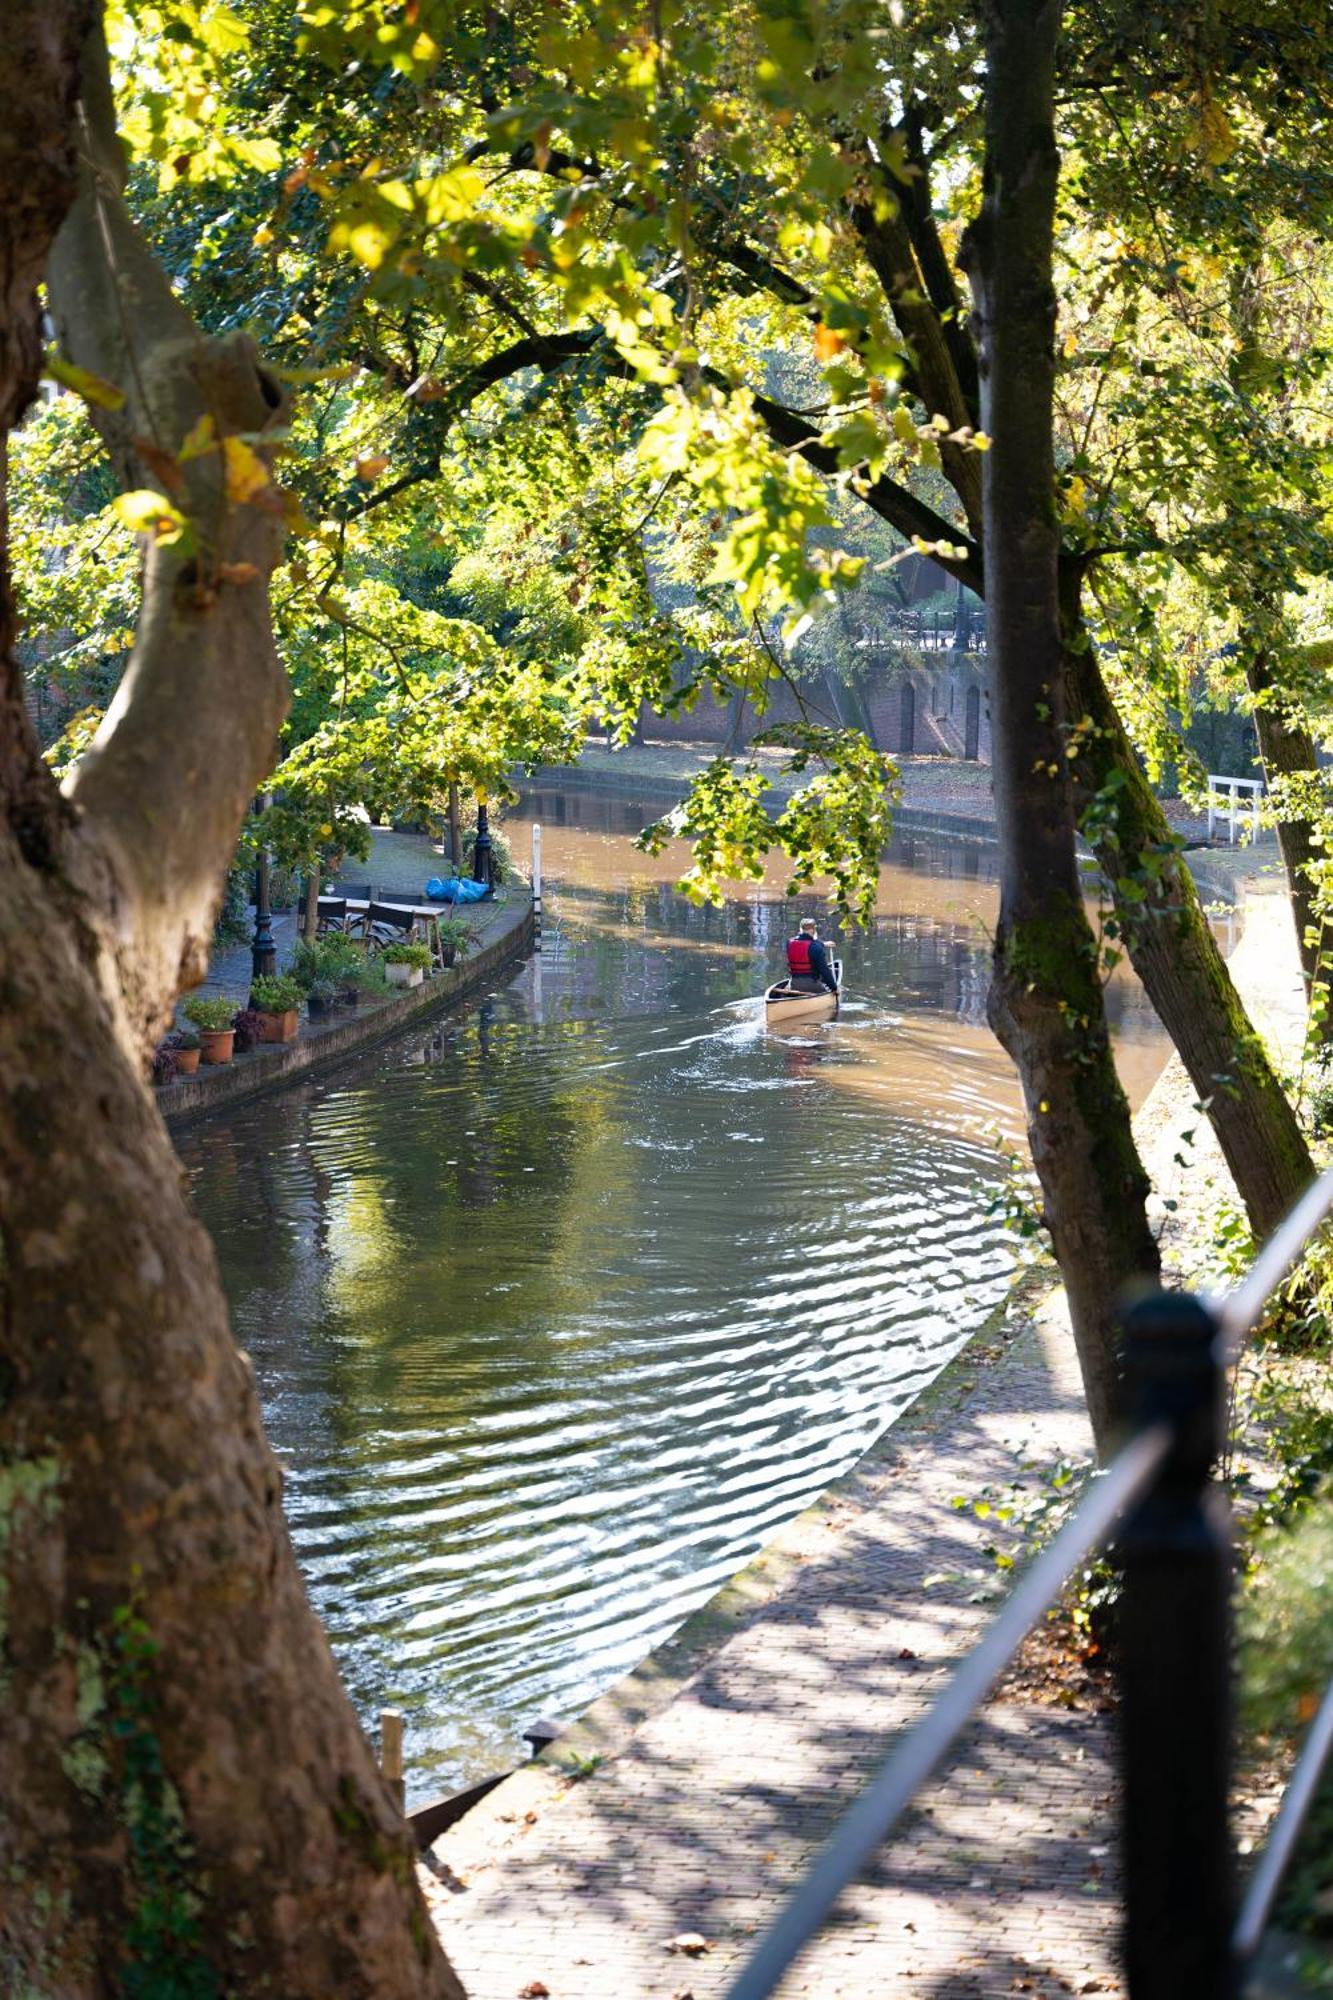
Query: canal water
x=560 y=1308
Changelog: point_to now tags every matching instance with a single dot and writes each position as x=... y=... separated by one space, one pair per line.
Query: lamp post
x=483 y=858
x=263 y=950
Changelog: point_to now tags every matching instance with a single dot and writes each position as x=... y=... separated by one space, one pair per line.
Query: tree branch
x=164 y=788
x=885 y=497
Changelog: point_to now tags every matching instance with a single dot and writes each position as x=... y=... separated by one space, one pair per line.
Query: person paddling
x=808 y=960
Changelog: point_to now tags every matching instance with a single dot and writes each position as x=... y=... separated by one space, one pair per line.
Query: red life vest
x=798 y=958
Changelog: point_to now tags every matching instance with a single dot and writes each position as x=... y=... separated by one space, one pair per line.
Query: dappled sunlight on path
x=702 y=1818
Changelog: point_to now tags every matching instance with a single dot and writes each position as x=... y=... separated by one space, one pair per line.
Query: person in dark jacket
x=808 y=960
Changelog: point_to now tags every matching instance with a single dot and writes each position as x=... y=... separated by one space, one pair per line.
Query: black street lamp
x=263 y=950
x=483 y=857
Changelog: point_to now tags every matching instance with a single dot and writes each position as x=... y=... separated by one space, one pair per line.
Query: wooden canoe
x=781 y=1004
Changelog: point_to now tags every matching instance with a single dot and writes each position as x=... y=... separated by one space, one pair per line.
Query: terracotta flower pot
x=215 y=1044
x=279 y=1027
x=187 y=1061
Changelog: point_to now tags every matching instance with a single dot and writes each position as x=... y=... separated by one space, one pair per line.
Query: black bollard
x=1175 y=1556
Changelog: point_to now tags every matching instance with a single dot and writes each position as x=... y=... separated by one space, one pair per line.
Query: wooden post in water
x=537 y=882
x=391 y=1751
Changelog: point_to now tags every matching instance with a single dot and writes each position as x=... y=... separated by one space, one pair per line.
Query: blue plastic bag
x=457 y=889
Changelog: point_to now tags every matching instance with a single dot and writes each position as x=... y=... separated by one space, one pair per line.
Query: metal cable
x=1263 y=1885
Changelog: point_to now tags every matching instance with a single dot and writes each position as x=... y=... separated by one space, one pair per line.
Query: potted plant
x=405 y=964
x=456 y=939
x=184 y=1046
x=164 y=1065
x=337 y=960
x=245 y=1024
x=277 y=1001
x=321 y=997
x=213 y=1017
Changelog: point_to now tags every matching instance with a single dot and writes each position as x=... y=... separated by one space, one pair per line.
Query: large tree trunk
x=190 y=1805
x=1046 y=999
x=1173 y=950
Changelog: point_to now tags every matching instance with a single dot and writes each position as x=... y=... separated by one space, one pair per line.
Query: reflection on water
x=560 y=1309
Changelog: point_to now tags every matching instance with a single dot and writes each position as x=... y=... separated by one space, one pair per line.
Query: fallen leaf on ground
x=534 y=1990
x=691 y=1943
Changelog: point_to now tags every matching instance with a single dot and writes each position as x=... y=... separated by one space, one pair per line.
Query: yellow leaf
x=1215 y=134
x=828 y=342
x=93 y=388
x=148 y=512
x=371 y=467
x=200 y=437
x=247 y=473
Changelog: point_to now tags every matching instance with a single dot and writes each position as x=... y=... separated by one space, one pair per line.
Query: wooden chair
x=331 y=915
x=386 y=925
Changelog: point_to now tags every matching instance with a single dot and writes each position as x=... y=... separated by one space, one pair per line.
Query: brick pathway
x=701 y=1818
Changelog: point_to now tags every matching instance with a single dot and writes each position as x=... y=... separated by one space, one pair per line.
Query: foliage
x=164 y=1941
x=233 y=919
x=1286 y=1630
x=502 y=855
x=165 y=1068
x=458 y=933
x=1319 y=1098
x=271 y=994
x=209 y=1012
x=405 y=953
x=248 y=1029
x=334 y=957
x=180 y=1038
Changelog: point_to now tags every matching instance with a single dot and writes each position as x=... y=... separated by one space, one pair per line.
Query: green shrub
x=407 y=954
x=275 y=995
x=233 y=918
x=502 y=857
x=210 y=1013
x=1286 y=1629
x=337 y=958
x=456 y=931
x=285 y=886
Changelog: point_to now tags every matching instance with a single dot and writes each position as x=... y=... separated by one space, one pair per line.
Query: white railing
x=1236 y=802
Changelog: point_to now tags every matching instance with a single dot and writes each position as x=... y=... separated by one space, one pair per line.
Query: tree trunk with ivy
x=1288 y=752
x=1046 y=997
x=1173 y=950
x=190 y=1805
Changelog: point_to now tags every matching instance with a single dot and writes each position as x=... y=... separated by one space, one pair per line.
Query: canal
x=560 y=1308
